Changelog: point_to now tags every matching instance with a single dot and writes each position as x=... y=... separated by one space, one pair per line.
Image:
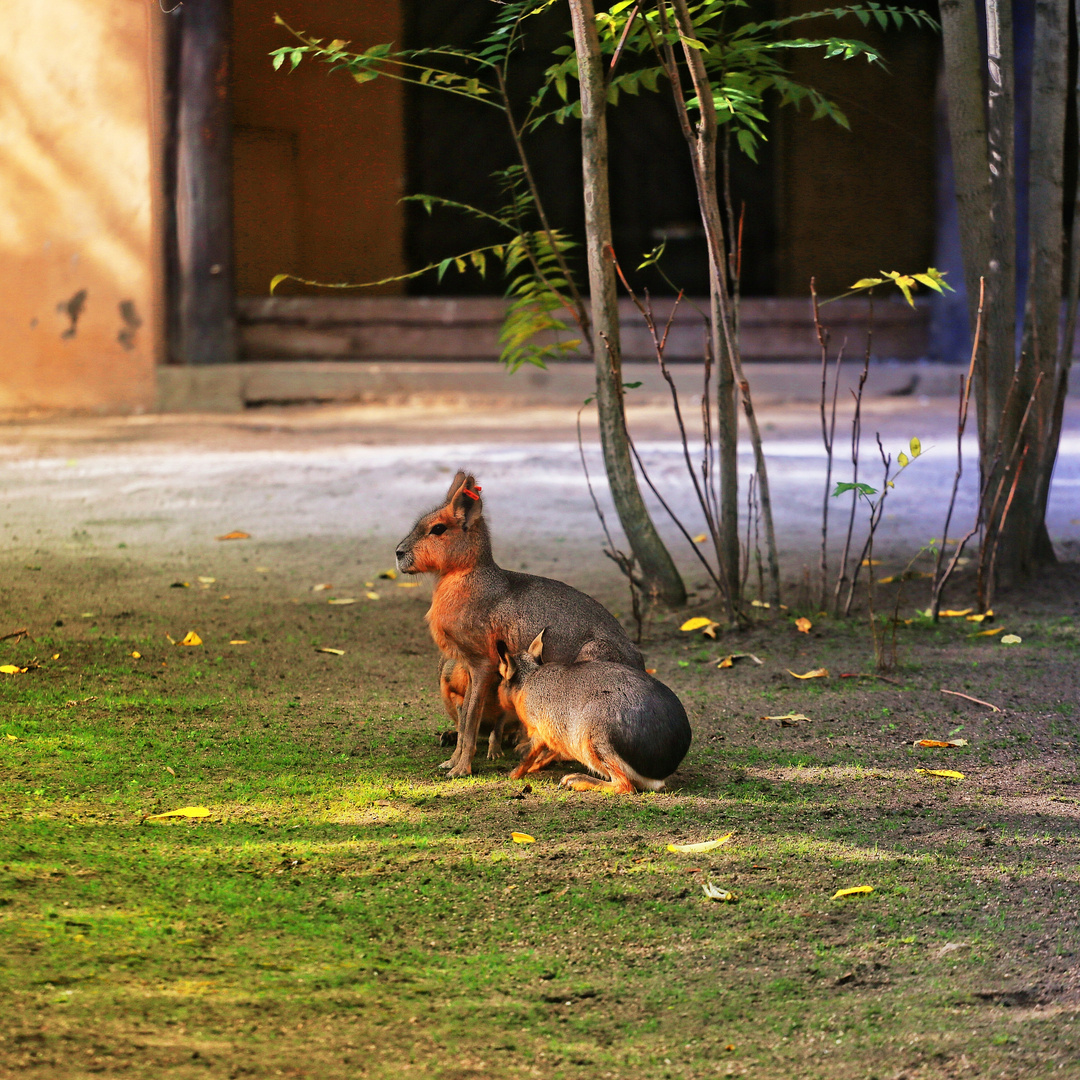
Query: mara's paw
x=495 y=751
x=463 y=768
x=449 y=763
x=581 y=782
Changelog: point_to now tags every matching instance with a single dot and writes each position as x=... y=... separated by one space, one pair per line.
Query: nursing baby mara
x=533 y=649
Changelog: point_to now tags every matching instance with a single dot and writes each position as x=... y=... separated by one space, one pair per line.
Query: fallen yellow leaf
x=950 y=774
x=700 y=538
x=239 y=641
x=698 y=623
x=852 y=892
x=332 y=652
x=12 y=669
x=190 y=638
x=55 y=656
x=991 y=632
x=522 y=838
x=1011 y=639
x=136 y=655
x=372 y=595
x=389 y=575
x=803 y=625
x=871 y=562
x=184 y=812
x=342 y=600
x=792 y=717
x=955 y=614
x=705 y=845
x=207 y=580
x=979 y=618
x=408 y=584
x=236 y=534
x=321 y=588
x=13 y=738
x=817 y=673
x=940 y=742
x=759 y=603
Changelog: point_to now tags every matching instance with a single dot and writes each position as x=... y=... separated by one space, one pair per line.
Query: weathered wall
x=79 y=288
x=318 y=161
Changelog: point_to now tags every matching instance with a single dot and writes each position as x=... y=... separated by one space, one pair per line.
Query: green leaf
x=868 y=282
x=295 y=57
x=279 y=59
x=862 y=489
x=443 y=267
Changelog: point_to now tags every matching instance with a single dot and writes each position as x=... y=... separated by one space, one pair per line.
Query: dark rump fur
x=652 y=736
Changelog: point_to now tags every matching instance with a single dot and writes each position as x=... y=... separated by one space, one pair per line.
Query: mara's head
x=514 y=670
x=452 y=537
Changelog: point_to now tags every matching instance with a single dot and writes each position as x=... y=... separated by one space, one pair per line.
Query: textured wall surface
x=79 y=288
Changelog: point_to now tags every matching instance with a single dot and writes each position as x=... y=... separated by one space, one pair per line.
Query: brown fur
x=623 y=725
x=477 y=604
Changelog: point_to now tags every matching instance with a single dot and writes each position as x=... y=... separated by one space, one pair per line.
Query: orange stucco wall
x=79 y=287
x=318 y=160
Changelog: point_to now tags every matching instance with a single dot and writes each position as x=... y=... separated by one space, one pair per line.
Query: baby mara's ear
x=507 y=667
x=536 y=649
x=454 y=485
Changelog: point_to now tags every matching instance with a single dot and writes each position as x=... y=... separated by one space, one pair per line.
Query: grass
x=344 y=911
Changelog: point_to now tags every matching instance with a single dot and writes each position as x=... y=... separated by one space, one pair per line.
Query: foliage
x=744 y=59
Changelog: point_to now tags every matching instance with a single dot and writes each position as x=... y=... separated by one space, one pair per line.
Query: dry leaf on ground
x=136 y=655
x=714 y=892
x=858 y=889
x=12 y=669
x=206 y=580
x=790 y=719
x=950 y=774
x=729 y=660
x=817 y=673
x=389 y=575
x=705 y=625
x=236 y=534
x=332 y=652
x=940 y=742
x=803 y=625
x=239 y=641
x=956 y=614
x=1011 y=639
x=980 y=618
x=372 y=595
x=408 y=584
x=342 y=600
x=992 y=632
x=522 y=838
x=184 y=812
x=321 y=588
x=190 y=638
x=705 y=845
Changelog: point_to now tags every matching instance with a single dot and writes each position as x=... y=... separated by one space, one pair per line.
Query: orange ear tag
x=472 y=494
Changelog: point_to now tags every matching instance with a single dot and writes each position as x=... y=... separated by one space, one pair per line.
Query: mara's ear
x=454 y=485
x=466 y=502
x=536 y=649
x=506 y=662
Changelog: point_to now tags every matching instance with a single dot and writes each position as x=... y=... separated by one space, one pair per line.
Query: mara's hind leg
x=537 y=758
x=617 y=785
x=618 y=782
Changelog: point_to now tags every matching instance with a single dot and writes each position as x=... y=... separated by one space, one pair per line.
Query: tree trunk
x=727 y=432
x=705 y=178
x=659 y=576
x=967 y=137
x=207 y=329
x=1042 y=314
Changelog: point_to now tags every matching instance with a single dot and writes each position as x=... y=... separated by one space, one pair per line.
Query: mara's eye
x=437 y=530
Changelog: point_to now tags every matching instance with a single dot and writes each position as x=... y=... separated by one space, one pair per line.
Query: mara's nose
x=399 y=553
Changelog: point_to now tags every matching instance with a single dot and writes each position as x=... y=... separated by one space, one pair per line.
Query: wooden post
x=207 y=320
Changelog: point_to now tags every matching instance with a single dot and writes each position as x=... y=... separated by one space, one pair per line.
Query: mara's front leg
x=482 y=678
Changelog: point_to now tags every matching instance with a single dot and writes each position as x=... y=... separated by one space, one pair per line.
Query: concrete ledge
x=233 y=387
